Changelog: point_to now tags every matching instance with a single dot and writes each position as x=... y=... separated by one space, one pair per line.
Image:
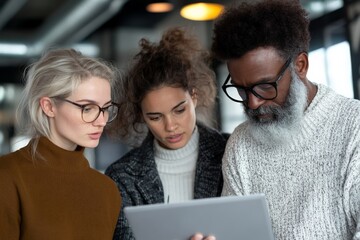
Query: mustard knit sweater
x=58 y=197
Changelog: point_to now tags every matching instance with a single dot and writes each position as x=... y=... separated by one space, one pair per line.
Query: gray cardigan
x=139 y=183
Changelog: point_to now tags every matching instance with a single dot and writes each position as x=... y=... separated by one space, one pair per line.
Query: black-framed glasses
x=91 y=112
x=266 y=91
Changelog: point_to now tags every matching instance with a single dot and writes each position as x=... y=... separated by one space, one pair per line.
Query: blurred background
x=111 y=29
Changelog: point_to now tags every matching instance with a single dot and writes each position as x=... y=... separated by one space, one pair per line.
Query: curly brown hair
x=177 y=60
x=282 y=24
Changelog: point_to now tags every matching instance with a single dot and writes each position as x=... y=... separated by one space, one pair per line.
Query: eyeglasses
x=266 y=91
x=90 y=112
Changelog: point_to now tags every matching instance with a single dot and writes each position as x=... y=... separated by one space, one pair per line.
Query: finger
x=197 y=236
x=210 y=238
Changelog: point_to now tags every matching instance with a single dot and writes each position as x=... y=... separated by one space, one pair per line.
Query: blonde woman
x=48 y=190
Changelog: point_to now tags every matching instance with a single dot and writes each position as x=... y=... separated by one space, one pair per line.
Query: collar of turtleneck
x=58 y=158
x=184 y=152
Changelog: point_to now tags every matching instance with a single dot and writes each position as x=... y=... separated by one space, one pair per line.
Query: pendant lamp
x=160 y=7
x=201 y=10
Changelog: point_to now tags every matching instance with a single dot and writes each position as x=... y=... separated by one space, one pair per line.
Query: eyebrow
x=267 y=79
x=259 y=81
x=88 y=101
x=157 y=113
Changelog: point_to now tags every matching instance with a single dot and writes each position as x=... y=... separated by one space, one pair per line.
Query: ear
x=47 y=106
x=301 y=65
x=194 y=97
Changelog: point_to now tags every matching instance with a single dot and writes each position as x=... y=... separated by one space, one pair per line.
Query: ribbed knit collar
x=181 y=153
x=314 y=115
x=59 y=158
x=318 y=109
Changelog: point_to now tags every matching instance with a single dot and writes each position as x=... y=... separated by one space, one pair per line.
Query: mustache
x=254 y=113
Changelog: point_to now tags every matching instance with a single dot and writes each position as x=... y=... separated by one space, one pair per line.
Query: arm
x=351 y=187
x=352 y=193
x=122 y=229
x=232 y=181
x=355 y=211
x=10 y=219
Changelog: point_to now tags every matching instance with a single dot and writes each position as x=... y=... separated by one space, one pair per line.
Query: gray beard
x=286 y=119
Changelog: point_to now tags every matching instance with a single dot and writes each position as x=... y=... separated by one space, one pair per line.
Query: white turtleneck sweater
x=312 y=183
x=177 y=169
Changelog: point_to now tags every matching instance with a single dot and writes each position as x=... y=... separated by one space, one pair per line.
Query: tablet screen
x=230 y=217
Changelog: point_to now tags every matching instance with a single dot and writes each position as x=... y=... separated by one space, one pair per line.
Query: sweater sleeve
x=9 y=207
x=122 y=230
x=351 y=185
x=352 y=196
x=352 y=189
x=232 y=183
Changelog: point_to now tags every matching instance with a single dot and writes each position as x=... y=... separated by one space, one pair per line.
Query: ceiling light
x=13 y=49
x=159 y=7
x=87 y=49
x=201 y=11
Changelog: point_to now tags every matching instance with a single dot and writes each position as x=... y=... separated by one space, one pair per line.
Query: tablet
x=227 y=218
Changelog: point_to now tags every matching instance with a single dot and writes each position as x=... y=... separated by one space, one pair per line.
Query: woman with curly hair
x=163 y=92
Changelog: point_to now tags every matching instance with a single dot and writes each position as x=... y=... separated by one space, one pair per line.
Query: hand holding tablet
x=232 y=217
x=199 y=236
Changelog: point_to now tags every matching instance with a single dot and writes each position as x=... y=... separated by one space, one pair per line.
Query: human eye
x=179 y=111
x=89 y=108
x=154 y=118
x=265 y=90
x=264 y=86
x=109 y=108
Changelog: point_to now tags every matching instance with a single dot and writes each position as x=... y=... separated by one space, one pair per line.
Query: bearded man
x=301 y=143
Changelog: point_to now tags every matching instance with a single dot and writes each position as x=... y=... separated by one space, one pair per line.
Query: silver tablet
x=228 y=218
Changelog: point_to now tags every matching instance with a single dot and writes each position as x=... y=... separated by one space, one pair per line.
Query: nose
x=253 y=101
x=101 y=120
x=170 y=124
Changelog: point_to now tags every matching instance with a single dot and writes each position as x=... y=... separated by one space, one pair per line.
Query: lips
x=264 y=116
x=174 y=138
x=95 y=136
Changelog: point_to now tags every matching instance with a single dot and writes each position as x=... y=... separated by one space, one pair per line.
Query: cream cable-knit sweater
x=312 y=184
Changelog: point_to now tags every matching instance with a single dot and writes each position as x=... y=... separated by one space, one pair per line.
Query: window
x=332 y=67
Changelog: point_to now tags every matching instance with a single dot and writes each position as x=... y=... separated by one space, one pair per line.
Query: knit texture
x=58 y=197
x=312 y=183
x=176 y=169
x=139 y=182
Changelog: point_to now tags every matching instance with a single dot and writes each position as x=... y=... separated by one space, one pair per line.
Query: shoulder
x=129 y=160
x=133 y=161
x=240 y=134
x=15 y=160
x=328 y=97
x=211 y=140
x=336 y=106
x=102 y=181
x=8 y=165
x=13 y=167
x=8 y=160
x=106 y=189
x=208 y=132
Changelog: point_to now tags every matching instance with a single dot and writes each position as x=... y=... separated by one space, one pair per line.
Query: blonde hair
x=56 y=74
